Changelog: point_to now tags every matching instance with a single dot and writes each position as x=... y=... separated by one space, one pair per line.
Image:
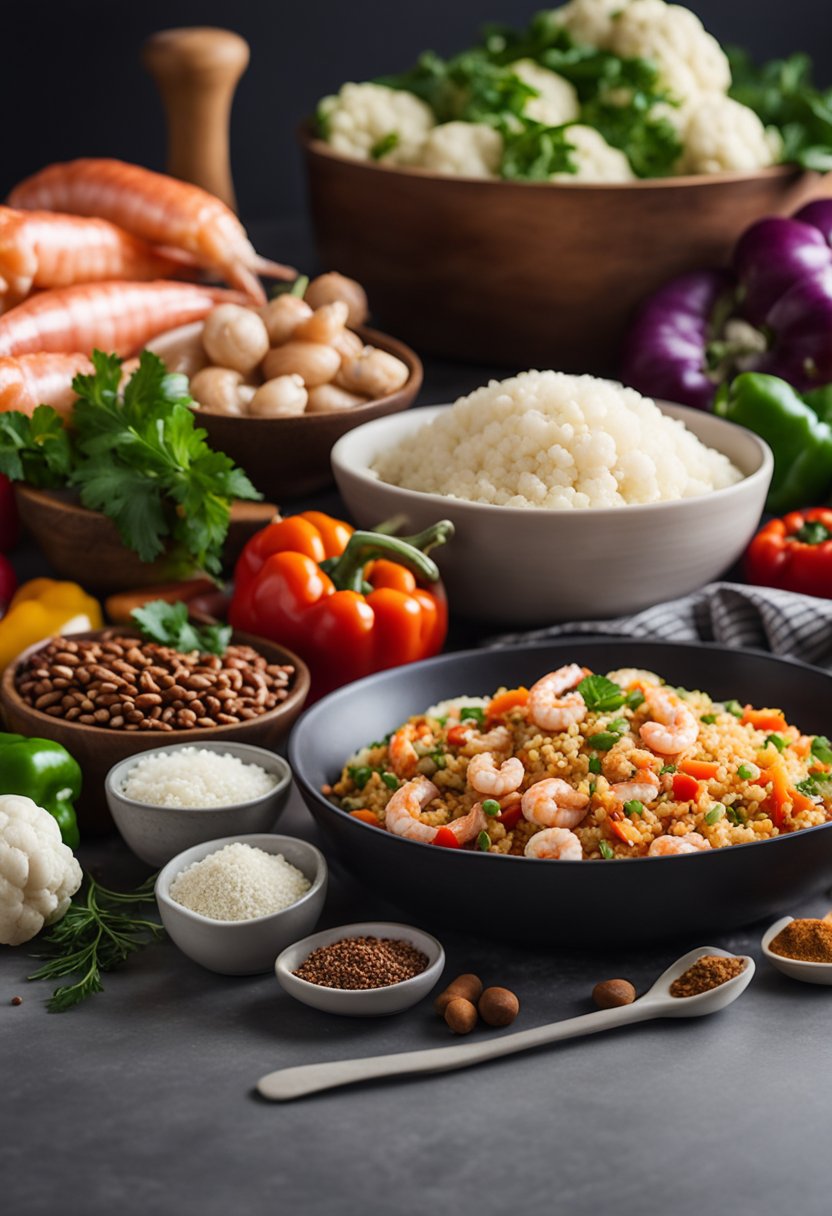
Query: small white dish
x=795 y=968
x=158 y=833
x=361 y=1002
x=243 y=947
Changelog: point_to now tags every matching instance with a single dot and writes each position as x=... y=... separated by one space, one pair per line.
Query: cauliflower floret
x=721 y=135
x=589 y=21
x=597 y=160
x=361 y=116
x=467 y=149
x=38 y=873
x=557 y=102
x=690 y=59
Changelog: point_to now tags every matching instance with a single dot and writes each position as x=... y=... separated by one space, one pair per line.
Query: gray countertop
x=142 y=1099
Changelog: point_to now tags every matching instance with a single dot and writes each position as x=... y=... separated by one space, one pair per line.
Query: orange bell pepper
x=349 y=603
x=500 y=705
x=764 y=719
x=702 y=770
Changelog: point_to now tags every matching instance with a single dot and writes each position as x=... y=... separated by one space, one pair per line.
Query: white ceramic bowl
x=795 y=968
x=362 y=1002
x=157 y=833
x=534 y=567
x=243 y=947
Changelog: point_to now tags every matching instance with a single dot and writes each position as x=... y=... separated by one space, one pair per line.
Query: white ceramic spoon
x=288 y=1083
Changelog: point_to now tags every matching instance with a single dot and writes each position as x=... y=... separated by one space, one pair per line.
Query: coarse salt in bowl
x=149 y=801
x=242 y=946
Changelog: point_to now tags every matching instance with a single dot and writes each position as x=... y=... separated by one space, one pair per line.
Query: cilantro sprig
x=168 y=624
x=138 y=456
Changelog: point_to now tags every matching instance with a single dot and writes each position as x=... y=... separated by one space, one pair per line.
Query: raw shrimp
x=548 y=708
x=554 y=844
x=158 y=209
x=554 y=803
x=672 y=846
x=116 y=316
x=402 y=816
x=43 y=249
x=673 y=727
x=42 y=379
x=494 y=782
x=643 y=788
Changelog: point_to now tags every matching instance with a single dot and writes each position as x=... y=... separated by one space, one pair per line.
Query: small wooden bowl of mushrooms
x=277 y=386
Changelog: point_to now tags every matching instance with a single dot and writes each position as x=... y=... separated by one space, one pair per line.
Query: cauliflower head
x=38 y=872
x=361 y=118
x=720 y=135
x=589 y=21
x=556 y=103
x=467 y=149
x=690 y=60
x=597 y=160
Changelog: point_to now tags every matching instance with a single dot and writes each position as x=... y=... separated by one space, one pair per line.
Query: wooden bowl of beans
x=107 y=694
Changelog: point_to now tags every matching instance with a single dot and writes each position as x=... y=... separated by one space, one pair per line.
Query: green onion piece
x=821 y=749
x=734 y=816
x=605 y=850
x=734 y=707
x=361 y=774
x=667 y=768
x=472 y=713
x=591 y=788
x=491 y=807
x=634 y=807
x=594 y=764
x=620 y=726
x=634 y=699
x=604 y=741
x=748 y=772
x=439 y=759
x=776 y=741
x=390 y=780
x=715 y=813
x=443 y=721
x=708 y=719
x=807 y=787
x=484 y=841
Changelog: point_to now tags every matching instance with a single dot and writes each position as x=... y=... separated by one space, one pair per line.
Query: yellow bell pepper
x=42 y=608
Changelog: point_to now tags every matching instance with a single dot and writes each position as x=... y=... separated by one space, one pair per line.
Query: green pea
x=491 y=807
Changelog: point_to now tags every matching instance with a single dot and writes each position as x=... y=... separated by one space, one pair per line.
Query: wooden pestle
x=196 y=71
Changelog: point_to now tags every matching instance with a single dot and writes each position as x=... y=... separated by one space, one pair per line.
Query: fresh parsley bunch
x=138 y=456
x=783 y=94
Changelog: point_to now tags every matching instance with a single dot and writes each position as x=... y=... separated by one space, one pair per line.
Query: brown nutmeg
x=498 y=1006
x=468 y=987
x=611 y=993
x=461 y=1015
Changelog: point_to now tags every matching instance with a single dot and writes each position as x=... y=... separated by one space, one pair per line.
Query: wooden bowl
x=289 y=457
x=527 y=274
x=97 y=749
x=85 y=546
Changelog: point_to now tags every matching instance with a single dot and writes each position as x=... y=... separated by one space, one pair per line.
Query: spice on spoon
x=807 y=939
x=362 y=962
x=710 y=971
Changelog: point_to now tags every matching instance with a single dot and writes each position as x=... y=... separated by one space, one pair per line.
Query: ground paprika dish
x=807 y=940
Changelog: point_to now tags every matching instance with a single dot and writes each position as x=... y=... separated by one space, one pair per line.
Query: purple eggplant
x=666 y=346
x=769 y=257
x=771 y=313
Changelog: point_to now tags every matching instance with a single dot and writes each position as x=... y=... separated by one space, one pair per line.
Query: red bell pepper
x=685 y=787
x=794 y=553
x=446 y=839
x=349 y=603
x=9 y=523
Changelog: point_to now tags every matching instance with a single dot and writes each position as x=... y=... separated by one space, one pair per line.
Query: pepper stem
x=347 y=571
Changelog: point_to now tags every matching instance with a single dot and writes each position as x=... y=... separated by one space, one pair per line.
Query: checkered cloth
x=762 y=618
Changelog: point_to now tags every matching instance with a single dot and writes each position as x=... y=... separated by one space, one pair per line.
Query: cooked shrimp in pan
x=118 y=316
x=159 y=209
x=41 y=249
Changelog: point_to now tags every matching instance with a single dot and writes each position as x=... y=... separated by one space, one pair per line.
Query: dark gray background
x=72 y=85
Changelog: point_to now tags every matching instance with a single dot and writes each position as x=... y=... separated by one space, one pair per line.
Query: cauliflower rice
x=554 y=441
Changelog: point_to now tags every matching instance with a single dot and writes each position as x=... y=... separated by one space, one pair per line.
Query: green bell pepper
x=45 y=772
x=797 y=434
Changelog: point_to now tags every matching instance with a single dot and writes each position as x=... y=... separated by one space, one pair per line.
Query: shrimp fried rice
x=591 y=767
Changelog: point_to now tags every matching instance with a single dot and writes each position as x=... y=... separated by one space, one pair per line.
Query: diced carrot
x=626 y=830
x=780 y=791
x=702 y=770
x=367 y=817
x=446 y=838
x=499 y=706
x=800 y=802
x=802 y=745
x=685 y=787
x=763 y=719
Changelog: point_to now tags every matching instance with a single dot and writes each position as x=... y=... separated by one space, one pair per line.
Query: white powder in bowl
x=239 y=882
x=545 y=439
x=196 y=777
